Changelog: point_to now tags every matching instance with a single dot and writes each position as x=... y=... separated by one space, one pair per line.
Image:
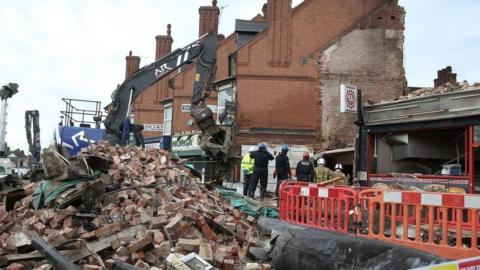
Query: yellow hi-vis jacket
x=247 y=164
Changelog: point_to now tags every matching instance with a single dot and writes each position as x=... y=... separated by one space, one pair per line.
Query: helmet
x=339 y=167
x=262 y=146
x=285 y=147
x=321 y=161
x=306 y=155
x=252 y=149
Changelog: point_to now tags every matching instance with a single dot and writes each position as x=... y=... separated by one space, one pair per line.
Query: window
x=225 y=93
x=167 y=119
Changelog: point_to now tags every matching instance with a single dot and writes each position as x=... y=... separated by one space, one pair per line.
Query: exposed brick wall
x=370 y=57
x=288 y=80
x=287 y=93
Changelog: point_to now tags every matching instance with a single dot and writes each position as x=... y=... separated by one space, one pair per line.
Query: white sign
x=186 y=108
x=186 y=143
x=348 y=98
x=152 y=146
x=153 y=127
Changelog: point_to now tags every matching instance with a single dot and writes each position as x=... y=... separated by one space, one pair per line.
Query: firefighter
x=338 y=173
x=247 y=169
x=260 y=170
x=282 y=167
x=322 y=173
x=305 y=169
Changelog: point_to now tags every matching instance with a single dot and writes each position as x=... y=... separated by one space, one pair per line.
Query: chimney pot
x=214 y=3
x=164 y=43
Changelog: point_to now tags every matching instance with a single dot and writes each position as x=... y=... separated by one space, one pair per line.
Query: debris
x=51 y=254
x=442 y=89
x=141 y=206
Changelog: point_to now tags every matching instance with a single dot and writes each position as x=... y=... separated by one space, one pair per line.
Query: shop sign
x=348 y=98
x=153 y=127
x=186 y=143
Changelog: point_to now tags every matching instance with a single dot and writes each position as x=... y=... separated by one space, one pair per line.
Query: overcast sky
x=77 y=48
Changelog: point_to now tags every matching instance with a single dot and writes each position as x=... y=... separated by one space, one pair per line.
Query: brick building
x=283 y=70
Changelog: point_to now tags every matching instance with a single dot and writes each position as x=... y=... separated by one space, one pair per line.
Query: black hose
x=51 y=254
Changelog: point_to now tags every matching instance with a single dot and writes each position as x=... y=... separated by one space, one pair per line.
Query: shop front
x=429 y=143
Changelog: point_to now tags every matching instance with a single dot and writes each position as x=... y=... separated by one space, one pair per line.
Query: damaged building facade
x=282 y=70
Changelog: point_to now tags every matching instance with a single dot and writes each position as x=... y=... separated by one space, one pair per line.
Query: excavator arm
x=215 y=139
x=32 y=124
x=117 y=121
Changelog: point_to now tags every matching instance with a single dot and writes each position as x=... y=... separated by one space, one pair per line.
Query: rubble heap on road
x=124 y=204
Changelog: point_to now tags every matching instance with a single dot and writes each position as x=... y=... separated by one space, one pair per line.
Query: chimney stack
x=279 y=18
x=133 y=64
x=208 y=19
x=164 y=44
x=445 y=75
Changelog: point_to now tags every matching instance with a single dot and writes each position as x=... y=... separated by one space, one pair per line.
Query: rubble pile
x=111 y=205
x=444 y=89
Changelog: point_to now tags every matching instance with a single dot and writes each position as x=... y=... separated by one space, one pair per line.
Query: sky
x=76 y=48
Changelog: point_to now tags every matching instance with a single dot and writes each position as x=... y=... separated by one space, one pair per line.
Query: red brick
x=15 y=266
x=188 y=245
x=139 y=244
x=228 y=264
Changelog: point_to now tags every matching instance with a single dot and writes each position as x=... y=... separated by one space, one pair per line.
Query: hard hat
x=306 y=155
x=321 y=161
x=339 y=167
x=262 y=146
x=252 y=149
x=285 y=147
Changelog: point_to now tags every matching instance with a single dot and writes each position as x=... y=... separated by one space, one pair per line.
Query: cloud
x=77 y=49
x=440 y=33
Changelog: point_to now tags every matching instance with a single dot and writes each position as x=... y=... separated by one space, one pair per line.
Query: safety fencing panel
x=326 y=208
x=445 y=224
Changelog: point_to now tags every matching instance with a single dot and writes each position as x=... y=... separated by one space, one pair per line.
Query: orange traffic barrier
x=445 y=224
x=320 y=207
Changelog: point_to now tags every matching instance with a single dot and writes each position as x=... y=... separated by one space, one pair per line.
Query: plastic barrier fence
x=444 y=224
x=319 y=207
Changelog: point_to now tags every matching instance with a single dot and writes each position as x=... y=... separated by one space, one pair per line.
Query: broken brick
x=122 y=251
x=158 y=237
x=188 y=245
x=15 y=266
x=139 y=244
x=142 y=264
x=228 y=264
x=108 y=229
x=162 y=250
x=205 y=251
